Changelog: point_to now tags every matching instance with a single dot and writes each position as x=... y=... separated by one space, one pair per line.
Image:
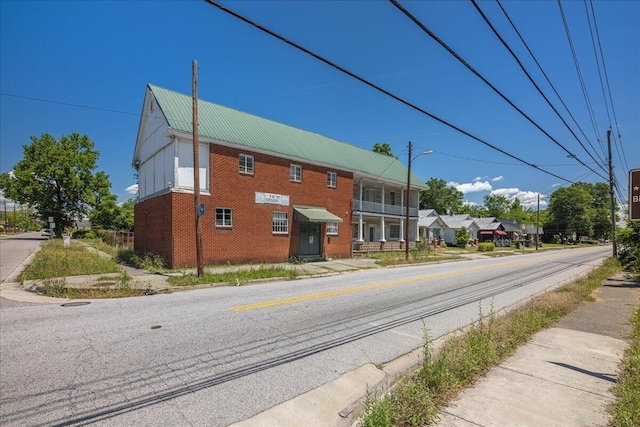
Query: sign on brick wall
x=272 y=199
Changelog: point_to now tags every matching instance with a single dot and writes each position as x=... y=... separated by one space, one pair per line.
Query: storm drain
x=75 y=304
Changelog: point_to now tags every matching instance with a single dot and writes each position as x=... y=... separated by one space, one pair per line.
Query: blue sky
x=94 y=59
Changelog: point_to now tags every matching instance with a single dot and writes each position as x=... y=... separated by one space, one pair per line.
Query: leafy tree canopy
x=441 y=197
x=58 y=178
x=583 y=209
x=497 y=206
x=383 y=148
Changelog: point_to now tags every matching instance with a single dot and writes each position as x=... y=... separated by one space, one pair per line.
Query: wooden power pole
x=196 y=170
x=613 y=198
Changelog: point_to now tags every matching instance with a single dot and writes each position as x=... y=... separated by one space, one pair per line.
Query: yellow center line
x=374 y=286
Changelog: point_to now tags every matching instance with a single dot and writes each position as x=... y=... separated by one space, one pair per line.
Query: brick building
x=270 y=191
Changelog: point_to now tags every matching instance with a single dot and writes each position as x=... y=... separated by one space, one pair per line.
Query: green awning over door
x=313 y=214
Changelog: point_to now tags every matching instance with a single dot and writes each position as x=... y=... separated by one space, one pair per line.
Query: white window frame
x=295 y=173
x=332 y=228
x=280 y=222
x=227 y=216
x=332 y=179
x=244 y=168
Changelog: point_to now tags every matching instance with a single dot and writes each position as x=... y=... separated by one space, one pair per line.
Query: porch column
x=417 y=229
x=360 y=237
x=382 y=239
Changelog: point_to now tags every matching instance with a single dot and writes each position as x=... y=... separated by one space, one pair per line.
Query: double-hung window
x=246 y=164
x=223 y=217
x=331 y=179
x=280 y=223
x=332 y=228
x=295 y=173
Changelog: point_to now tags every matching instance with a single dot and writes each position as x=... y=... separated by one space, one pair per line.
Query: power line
x=374 y=86
x=549 y=80
x=580 y=79
x=606 y=76
x=524 y=70
x=481 y=77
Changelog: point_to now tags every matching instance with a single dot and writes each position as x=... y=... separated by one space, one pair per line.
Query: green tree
x=570 y=212
x=108 y=215
x=476 y=211
x=462 y=236
x=383 y=148
x=57 y=178
x=497 y=206
x=628 y=239
x=442 y=198
x=601 y=208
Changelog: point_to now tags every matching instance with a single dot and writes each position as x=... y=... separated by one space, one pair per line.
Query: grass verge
x=236 y=277
x=417 y=398
x=626 y=410
x=387 y=259
x=56 y=260
x=116 y=287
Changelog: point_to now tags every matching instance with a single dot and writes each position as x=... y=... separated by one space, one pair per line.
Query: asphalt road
x=215 y=356
x=16 y=248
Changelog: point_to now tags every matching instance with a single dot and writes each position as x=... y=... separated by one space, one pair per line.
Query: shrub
x=486 y=247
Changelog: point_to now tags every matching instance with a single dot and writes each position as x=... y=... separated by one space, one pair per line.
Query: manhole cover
x=75 y=304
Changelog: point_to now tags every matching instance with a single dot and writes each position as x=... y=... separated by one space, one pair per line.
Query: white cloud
x=474 y=187
x=470 y=203
x=556 y=185
x=479 y=178
x=497 y=178
x=132 y=189
x=528 y=199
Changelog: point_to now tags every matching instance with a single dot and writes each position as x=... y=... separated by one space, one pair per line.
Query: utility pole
x=406 y=226
x=613 y=198
x=538 y=223
x=196 y=169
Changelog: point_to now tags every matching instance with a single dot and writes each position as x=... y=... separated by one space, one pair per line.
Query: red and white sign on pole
x=634 y=195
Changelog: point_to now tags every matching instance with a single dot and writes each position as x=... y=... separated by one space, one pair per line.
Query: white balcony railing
x=374 y=207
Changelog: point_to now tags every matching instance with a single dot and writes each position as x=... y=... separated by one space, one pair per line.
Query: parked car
x=45 y=232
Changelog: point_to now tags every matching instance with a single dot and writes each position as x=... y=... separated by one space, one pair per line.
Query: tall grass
x=417 y=398
x=626 y=411
x=56 y=260
x=234 y=277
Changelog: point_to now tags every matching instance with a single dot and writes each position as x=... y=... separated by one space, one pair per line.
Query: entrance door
x=309 y=240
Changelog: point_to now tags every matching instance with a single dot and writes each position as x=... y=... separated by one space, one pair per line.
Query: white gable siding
x=184 y=165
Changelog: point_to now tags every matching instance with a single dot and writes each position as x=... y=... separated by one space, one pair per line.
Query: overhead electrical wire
x=376 y=87
x=549 y=80
x=487 y=82
x=524 y=70
x=585 y=94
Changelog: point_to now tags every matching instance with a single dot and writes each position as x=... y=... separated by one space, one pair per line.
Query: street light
x=406 y=228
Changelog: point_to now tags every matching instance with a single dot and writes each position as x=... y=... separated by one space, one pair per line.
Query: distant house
x=513 y=229
x=268 y=191
x=430 y=225
x=533 y=233
x=453 y=223
x=490 y=229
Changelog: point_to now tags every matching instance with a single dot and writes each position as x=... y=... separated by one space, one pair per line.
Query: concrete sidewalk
x=563 y=376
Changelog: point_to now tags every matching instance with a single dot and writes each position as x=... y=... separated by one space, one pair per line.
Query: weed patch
x=418 y=397
x=626 y=410
x=234 y=277
x=56 y=260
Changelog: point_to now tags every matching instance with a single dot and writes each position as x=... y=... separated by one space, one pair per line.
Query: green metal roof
x=233 y=126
